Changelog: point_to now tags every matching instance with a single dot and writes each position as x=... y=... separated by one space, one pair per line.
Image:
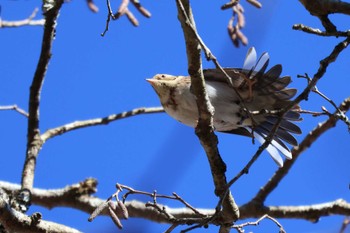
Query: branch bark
x=204 y=129
x=97 y=121
x=33 y=133
x=322 y=8
x=77 y=196
x=15 y=221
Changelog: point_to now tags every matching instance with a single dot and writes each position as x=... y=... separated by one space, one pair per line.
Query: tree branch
x=33 y=134
x=322 y=8
x=325 y=7
x=318 y=32
x=77 y=196
x=204 y=129
x=124 y=10
x=15 y=221
x=97 y=121
x=15 y=108
x=307 y=212
x=28 y=21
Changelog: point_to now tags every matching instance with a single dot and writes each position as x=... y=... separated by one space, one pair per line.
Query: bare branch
x=15 y=221
x=109 y=16
x=308 y=212
x=15 y=108
x=325 y=7
x=322 y=70
x=25 y=22
x=66 y=197
x=322 y=8
x=124 y=10
x=97 y=121
x=257 y=222
x=33 y=134
x=318 y=32
x=204 y=129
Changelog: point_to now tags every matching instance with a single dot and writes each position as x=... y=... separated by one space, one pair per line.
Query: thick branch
x=322 y=8
x=307 y=212
x=204 y=129
x=33 y=134
x=15 y=221
x=77 y=196
x=325 y=7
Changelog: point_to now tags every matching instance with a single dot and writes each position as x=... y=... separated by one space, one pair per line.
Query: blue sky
x=91 y=76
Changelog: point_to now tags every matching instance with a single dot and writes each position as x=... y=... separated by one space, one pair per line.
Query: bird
x=248 y=106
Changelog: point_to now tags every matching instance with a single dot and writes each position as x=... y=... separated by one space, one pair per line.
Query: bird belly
x=184 y=109
x=224 y=100
x=185 y=117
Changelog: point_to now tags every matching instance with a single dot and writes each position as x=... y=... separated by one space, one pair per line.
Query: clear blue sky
x=90 y=76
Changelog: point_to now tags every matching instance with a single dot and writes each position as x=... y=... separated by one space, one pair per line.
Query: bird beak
x=151 y=81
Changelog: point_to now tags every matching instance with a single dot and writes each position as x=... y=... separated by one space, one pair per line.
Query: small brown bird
x=259 y=92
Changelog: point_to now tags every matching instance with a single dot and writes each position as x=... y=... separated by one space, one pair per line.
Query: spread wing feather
x=272 y=88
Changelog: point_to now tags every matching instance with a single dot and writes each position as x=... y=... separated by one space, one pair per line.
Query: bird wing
x=270 y=92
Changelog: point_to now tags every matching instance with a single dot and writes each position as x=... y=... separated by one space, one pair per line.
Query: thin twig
x=109 y=16
x=15 y=108
x=124 y=10
x=257 y=222
x=313 y=113
x=97 y=121
x=25 y=22
x=315 y=31
x=187 y=204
